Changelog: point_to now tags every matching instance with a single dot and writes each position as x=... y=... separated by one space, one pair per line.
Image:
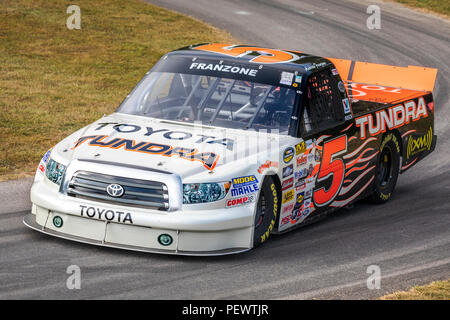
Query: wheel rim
x=385 y=167
x=261 y=209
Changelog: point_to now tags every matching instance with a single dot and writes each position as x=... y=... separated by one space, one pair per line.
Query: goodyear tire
x=266 y=212
x=387 y=169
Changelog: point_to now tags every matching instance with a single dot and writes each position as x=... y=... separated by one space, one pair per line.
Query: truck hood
x=185 y=149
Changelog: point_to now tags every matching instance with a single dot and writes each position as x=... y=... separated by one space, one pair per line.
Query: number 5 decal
x=331 y=167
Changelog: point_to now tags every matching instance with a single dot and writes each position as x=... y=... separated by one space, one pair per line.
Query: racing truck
x=219 y=146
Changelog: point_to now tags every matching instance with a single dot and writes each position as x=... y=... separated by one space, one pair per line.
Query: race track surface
x=408 y=238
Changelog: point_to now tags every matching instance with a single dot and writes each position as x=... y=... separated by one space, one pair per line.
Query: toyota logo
x=115 y=190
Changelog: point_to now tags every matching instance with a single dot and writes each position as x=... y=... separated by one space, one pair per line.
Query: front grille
x=140 y=193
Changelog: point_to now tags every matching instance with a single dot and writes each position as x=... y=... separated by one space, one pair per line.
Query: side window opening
x=323 y=104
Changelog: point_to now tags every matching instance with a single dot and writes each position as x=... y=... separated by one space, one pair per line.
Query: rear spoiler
x=411 y=77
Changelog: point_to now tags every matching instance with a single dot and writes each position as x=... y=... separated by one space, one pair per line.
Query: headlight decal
x=204 y=192
x=55 y=171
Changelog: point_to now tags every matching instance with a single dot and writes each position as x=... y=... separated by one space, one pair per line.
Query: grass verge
x=54 y=81
x=438 y=290
x=438 y=6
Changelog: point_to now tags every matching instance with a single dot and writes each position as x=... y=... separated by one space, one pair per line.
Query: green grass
x=54 y=81
x=438 y=290
x=439 y=6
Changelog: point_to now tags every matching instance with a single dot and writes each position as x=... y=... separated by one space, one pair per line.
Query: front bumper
x=218 y=231
x=113 y=242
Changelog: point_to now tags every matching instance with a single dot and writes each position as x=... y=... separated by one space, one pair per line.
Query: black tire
x=387 y=169
x=266 y=212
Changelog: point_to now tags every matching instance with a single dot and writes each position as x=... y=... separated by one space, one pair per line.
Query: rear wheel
x=266 y=212
x=387 y=169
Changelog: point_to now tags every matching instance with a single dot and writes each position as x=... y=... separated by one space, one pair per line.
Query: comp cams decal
x=240 y=201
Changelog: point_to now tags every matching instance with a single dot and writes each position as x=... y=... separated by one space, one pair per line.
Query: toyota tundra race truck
x=219 y=146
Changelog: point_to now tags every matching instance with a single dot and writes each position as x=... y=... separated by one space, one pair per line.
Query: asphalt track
x=408 y=238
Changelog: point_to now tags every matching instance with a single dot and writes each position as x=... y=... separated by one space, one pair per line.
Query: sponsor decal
x=106 y=214
x=299 y=200
x=298 y=79
x=334 y=72
x=420 y=144
x=44 y=161
x=240 y=201
x=288 y=208
x=266 y=165
x=288 y=171
x=302 y=173
x=308 y=194
x=224 y=68
x=288 y=196
x=294 y=216
x=307 y=203
x=301 y=160
x=310 y=170
x=300 y=185
x=288 y=154
x=310 y=143
x=244 y=181
x=288 y=183
x=285 y=220
x=341 y=86
x=305 y=212
x=391 y=118
x=208 y=159
x=317 y=155
x=300 y=148
x=346 y=105
x=244 y=185
x=348 y=117
x=286 y=78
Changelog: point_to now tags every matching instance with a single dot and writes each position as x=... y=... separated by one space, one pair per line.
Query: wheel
x=266 y=212
x=387 y=169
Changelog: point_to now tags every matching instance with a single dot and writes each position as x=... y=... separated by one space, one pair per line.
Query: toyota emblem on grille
x=115 y=190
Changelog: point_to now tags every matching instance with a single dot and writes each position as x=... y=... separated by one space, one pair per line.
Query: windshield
x=210 y=100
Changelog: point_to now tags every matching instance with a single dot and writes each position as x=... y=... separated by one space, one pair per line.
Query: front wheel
x=387 y=169
x=266 y=212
